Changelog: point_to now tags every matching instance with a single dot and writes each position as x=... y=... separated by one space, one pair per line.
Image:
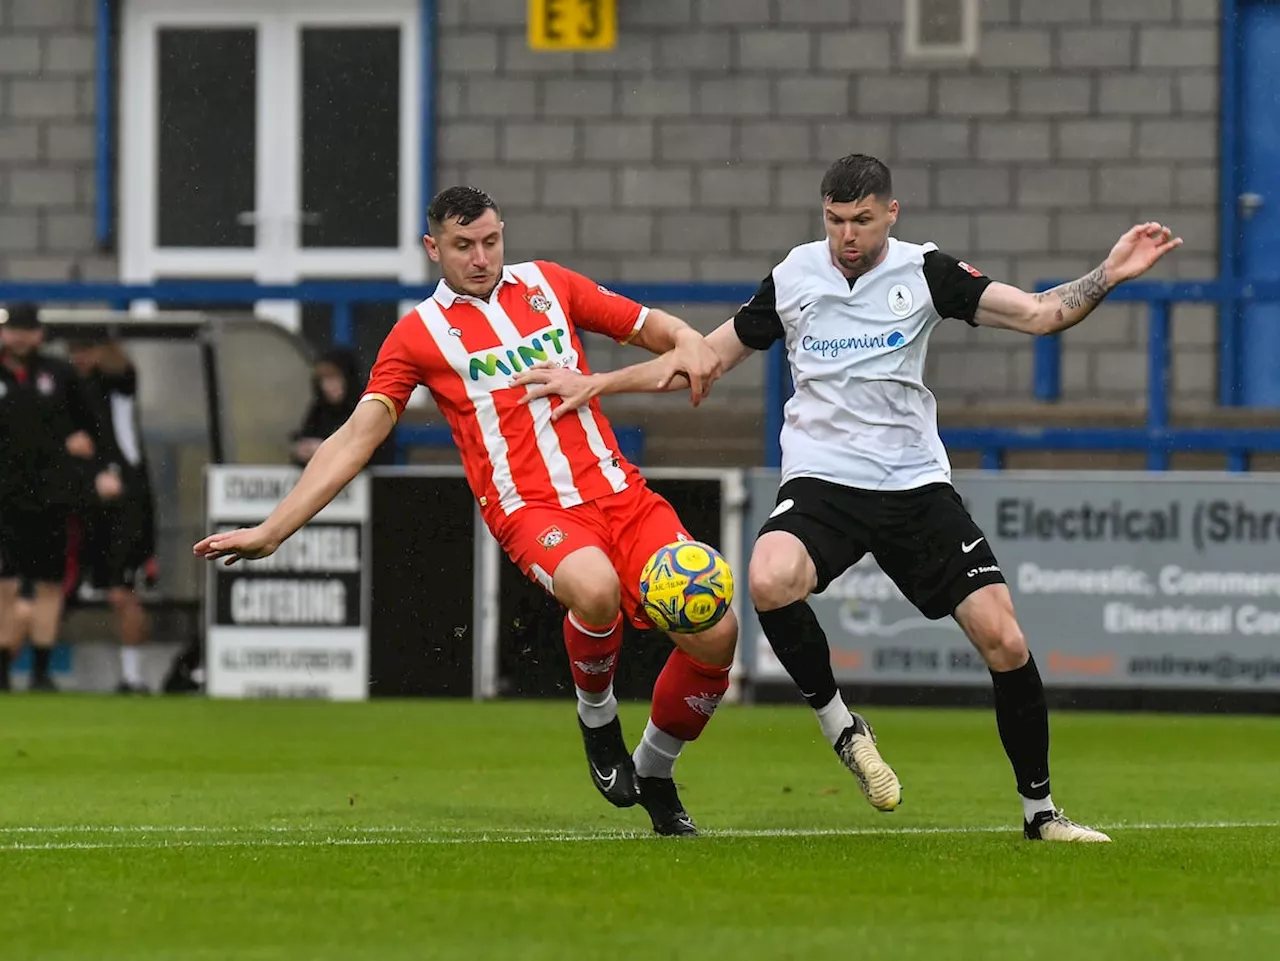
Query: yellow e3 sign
x=573 y=24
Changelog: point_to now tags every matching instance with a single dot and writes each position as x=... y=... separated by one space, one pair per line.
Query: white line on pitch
x=368 y=837
x=253 y=829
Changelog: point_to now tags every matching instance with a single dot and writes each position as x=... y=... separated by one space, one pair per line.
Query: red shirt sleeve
x=397 y=371
x=594 y=307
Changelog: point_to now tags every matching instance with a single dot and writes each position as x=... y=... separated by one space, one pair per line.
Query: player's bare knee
x=597 y=604
x=988 y=619
x=1008 y=647
x=586 y=583
x=715 y=646
x=1002 y=643
x=778 y=577
x=773 y=585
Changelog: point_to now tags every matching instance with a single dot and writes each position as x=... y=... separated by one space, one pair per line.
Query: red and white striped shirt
x=466 y=351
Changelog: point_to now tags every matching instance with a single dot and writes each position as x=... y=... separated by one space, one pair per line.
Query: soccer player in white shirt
x=863 y=468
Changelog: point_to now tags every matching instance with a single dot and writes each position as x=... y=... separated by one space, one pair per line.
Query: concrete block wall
x=47 y=144
x=693 y=152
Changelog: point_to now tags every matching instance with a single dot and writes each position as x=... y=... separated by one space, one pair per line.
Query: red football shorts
x=628 y=526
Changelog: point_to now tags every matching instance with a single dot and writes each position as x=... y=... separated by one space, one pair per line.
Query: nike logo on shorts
x=966 y=548
x=782 y=508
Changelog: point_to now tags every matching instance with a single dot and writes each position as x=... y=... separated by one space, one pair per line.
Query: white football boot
x=1056 y=826
x=857 y=750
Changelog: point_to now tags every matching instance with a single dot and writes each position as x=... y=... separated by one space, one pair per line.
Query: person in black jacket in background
x=336 y=388
x=119 y=521
x=47 y=459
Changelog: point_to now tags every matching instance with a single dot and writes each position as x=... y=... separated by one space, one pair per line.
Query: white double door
x=271 y=140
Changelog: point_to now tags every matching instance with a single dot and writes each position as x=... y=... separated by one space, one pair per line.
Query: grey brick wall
x=696 y=149
x=693 y=152
x=47 y=141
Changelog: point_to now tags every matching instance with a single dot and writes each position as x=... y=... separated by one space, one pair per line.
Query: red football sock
x=593 y=653
x=686 y=695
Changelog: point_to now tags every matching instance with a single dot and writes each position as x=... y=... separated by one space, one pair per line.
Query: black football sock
x=40 y=657
x=801 y=645
x=6 y=662
x=1022 y=718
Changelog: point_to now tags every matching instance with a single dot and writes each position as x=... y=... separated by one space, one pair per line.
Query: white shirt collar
x=446 y=296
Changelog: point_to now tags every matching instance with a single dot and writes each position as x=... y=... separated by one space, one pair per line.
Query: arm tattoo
x=1086 y=292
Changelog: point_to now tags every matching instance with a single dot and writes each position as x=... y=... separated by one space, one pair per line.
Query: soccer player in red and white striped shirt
x=555 y=491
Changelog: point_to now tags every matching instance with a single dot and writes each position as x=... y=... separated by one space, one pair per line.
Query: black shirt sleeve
x=757 y=323
x=79 y=409
x=125 y=382
x=954 y=286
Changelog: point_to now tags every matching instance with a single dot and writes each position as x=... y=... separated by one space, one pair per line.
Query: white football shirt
x=861 y=415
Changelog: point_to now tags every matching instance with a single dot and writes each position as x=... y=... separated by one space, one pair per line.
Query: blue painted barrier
x=1157 y=438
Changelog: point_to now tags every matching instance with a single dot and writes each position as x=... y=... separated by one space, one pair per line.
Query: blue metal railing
x=104 y=125
x=1157 y=438
x=343 y=296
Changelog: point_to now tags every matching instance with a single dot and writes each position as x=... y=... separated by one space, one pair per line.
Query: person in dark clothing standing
x=46 y=462
x=119 y=521
x=336 y=389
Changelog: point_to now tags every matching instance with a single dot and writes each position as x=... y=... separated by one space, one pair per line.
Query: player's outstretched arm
x=597 y=308
x=1067 y=304
x=663 y=333
x=336 y=462
x=661 y=374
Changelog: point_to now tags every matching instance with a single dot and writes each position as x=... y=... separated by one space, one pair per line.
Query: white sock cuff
x=833 y=718
x=597 y=713
x=590 y=632
x=838 y=699
x=1033 y=806
x=656 y=754
x=131 y=664
x=595 y=698
x=668 y=745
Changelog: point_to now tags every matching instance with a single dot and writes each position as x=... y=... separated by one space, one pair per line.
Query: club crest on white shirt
x=538 y=301
x=900 y=300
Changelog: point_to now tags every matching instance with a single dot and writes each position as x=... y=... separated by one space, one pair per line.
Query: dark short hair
x=855 y=177
x=21 y=316
x=465 y=204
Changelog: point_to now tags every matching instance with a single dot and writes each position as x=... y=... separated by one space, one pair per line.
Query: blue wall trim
x=104 y=128
x=1046 y=376
x=427 y=166
x=1157 y=438
x=1229 y=316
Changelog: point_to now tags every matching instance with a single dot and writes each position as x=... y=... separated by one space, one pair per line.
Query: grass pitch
x=190 y=829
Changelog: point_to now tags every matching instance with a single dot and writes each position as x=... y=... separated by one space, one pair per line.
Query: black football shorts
x=924 y=539
x=33 y=543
